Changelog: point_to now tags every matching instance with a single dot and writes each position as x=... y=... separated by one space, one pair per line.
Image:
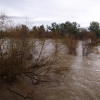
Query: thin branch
x=24 y=97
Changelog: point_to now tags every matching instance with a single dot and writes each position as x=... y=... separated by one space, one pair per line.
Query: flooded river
x=82 y=82
x=72 y=77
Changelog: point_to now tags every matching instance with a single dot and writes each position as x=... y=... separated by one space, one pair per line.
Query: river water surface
x=72 y=77
x=82 y=82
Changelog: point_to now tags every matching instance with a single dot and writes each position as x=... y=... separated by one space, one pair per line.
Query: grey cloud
x=46 y=11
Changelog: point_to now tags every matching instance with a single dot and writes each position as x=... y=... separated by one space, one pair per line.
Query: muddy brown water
x=81 y=82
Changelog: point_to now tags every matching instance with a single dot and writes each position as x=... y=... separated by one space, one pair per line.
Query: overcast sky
x=48 y=11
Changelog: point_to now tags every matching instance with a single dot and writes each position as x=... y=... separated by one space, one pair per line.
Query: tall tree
x=72 y=28
x=95 y=28
x=41 y=31
x=63 y=28
x=24 y=30
x=53 y=27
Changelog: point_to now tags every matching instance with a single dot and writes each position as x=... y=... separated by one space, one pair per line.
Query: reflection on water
x=81 y=83
x=79 y=49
